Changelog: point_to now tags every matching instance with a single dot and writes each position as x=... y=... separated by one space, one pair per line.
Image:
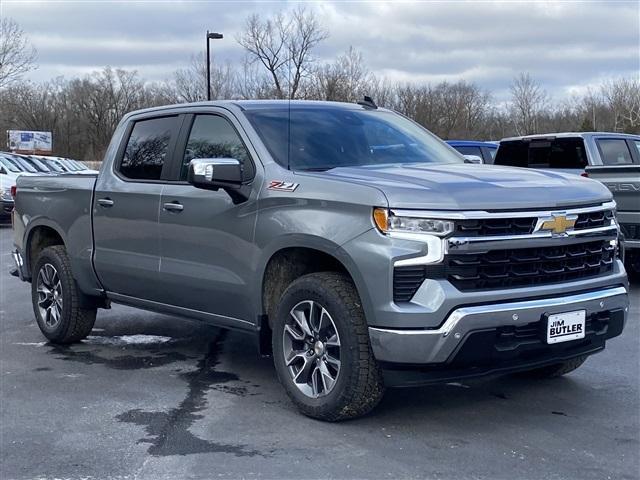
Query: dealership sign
x=23 y=141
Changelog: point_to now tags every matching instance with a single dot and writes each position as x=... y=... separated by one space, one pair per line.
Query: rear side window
x=213 y=136
x=615 y=151
x=566 y=153
x=147 y=148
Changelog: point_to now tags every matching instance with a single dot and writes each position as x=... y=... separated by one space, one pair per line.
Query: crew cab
x=569 y=152
x=359 y=249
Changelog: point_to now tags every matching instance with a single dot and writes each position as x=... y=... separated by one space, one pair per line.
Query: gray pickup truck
x=624 y=182
x=357 y=248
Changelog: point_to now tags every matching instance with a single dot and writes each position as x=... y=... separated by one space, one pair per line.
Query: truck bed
x=62 y=203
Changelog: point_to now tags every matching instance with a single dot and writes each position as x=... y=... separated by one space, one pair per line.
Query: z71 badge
x=282 y=186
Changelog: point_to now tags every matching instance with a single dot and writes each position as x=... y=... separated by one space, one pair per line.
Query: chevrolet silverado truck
x=358 y=249
x=624 y=182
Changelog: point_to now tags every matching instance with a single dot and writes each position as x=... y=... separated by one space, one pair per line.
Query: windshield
x=69 y=166
x=52 y=165
x=10 y=164
x=324 y=138
x=37 y=164
x=24 y=164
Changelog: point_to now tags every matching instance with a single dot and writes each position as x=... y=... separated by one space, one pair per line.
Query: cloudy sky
x=566 y=45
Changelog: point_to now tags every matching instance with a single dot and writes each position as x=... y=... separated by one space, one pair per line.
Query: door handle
x=173 y=207
x=105 y=202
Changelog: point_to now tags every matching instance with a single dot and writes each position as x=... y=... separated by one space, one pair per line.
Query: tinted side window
x=213 y=136
x=147 y=148
x=466 y=150
x=615 y=151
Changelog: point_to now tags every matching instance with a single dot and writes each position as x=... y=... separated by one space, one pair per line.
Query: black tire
x=359 y=386
x=556 y=370
x=73 y=323
x=632 y=265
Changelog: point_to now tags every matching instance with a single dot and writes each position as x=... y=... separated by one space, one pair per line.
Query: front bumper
x=440 y=345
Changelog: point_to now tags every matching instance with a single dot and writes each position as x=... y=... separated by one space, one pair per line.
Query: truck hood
x=474 y=187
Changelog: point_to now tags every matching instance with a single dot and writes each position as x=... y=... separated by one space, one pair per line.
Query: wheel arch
x=289 y=261
x=40 y=235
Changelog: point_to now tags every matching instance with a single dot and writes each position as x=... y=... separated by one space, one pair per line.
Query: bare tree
x=190 y=84
x=623 y=99
x=345 y=80
x=528 y=101
x=283 y=46
x=17 y=55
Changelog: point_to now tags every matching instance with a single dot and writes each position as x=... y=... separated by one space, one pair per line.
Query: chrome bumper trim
x=436 y=345
x=482 y=214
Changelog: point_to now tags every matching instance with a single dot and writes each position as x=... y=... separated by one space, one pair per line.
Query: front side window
x=213 y=136
x=147 y=148
x=321 y=138
x=615 y=151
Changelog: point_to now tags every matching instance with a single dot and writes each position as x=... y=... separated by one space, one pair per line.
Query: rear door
x=207 y=246
x=127 y=205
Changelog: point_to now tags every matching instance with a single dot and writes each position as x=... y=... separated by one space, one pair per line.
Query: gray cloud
x=566 y=45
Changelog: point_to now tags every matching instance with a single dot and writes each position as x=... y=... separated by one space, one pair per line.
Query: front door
x=126 y=209
x=207 y=249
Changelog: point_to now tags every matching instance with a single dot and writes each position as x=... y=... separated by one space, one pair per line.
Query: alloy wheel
x=49 y=290
x=311 y=347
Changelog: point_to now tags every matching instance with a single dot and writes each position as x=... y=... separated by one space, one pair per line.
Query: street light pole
x=210 y=36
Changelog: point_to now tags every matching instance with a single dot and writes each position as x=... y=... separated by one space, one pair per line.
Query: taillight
x=584 y=174
x=14 y=190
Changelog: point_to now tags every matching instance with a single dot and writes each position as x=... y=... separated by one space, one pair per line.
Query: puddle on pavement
x=168 y=431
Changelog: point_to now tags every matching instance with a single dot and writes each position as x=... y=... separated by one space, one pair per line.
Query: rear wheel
x=56 y=298
x=556 y=370
x=321 y=349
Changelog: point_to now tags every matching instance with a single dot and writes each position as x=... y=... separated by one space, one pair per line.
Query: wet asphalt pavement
x=150 y=396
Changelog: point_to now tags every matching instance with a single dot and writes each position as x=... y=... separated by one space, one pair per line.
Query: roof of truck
x=258 y=104
x=570 y=135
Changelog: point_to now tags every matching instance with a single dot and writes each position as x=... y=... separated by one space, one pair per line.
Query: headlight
x=6 y=194
x=389 y=223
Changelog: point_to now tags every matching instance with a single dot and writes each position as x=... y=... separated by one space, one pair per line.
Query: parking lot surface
x=150 y=396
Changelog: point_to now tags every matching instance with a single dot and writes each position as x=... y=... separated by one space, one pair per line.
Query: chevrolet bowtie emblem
x=558 y=224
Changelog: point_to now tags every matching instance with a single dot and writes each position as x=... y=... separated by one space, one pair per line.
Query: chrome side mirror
x=473 y=159
x=216 y=173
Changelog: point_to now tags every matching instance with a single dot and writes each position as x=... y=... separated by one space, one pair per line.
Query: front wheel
x=56 y=298
x=321 y=349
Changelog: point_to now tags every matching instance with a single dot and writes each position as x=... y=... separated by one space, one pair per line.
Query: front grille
x=528 y=266
x=601 y=218
x=485 y=227
x=631 y=231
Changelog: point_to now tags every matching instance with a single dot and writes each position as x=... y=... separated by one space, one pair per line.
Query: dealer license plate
x=564 y=327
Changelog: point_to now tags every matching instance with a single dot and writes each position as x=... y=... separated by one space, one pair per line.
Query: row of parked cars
x=569 y=152
x=13 y=165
